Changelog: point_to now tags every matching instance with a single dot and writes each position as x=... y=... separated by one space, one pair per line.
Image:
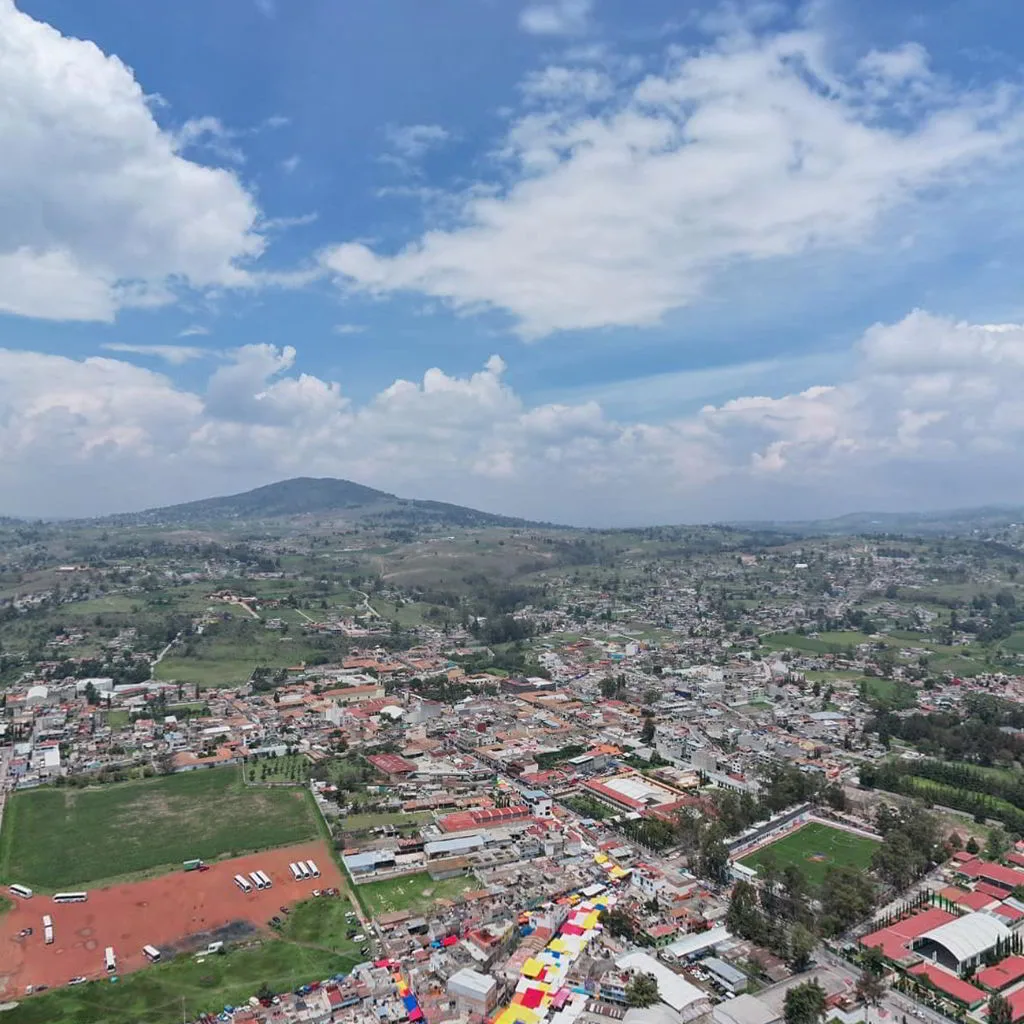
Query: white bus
x=109 y=960
x=242 y=884
x=256 y=880
x=312 y=869
x=265 y=879
x=21 y=890
x=296 y=873
x=47 y=921
x=48 y=935
x=303 y=870
x=152 y=953
x=70 y=897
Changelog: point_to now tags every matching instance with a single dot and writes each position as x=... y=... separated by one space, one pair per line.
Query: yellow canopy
x=532 y=968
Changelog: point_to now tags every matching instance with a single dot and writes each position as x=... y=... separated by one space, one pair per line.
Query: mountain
x=325 y=497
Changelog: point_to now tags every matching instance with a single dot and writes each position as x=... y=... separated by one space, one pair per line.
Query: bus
x=48 y=935
x=70 y=897
x=296 y=873
x=21 y=890
x=152 y=953
x=109 y=960
x=303 y=870
x=313 y=869
x=47 y=921
x=265 y=879
x=256 y=880
x=242 y=884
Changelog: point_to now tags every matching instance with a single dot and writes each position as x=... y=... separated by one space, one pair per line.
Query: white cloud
x=754 y=148
x=928 y=402
x=98 y=208
x=560 y=18
x=348 y=328
x=193 y=331
x=176 y=355
x=411 y=141
x=290 y=165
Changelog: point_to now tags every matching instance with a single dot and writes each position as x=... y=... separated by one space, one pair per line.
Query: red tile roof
x=1005 y=973
x=961 y=991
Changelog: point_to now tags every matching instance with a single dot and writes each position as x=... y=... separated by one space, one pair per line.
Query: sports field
x=411 y=892
x=814 y=849
x=62 y=838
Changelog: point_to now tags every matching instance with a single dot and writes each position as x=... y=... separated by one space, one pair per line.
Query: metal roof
x=968 y=936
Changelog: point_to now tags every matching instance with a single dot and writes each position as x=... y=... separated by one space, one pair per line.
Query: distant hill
x=310 y=496
x=949 y=522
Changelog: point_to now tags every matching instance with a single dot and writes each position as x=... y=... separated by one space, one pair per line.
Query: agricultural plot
x=58 y=838
x=814 y=849
x=411 y=892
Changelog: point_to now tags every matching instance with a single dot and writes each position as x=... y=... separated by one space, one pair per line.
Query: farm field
x=814 y=849
x=290 y=768
x=155 y=995
x=56 y=838
x=412 y=892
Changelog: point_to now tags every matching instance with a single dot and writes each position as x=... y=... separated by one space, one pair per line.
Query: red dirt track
x=160 y=912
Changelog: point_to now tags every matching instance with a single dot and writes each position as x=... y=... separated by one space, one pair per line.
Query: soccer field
x=814 y=849
x=411 y=892
x=61 y=838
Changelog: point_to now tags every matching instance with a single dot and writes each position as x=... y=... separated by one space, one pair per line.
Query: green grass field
x=290 y=768
x=814 y=849
x=155 y=995
x=322 y=922
x=57 y=838
x=412 y=892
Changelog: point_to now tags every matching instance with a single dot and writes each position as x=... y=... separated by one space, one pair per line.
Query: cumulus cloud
x=929 y=402
x=99 y=209
x=617 y=210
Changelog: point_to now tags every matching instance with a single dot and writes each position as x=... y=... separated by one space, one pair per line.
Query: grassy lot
x=814 y=849
x=58 y=838
x=412 y=892
x=155 y=994
x=362 y=822
x=291 y=768
x=227 y=654
x=322 y=922
x=117 y=718
x=890 y=692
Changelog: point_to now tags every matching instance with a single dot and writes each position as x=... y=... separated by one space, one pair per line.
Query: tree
x=647 y=732
x=972 y=846
x=801 y=945
x=870 y=989
x=642 y=990
x=999 y=1010
x=713 y=863
x=608 y=687
x=805 y=1004
x=997 y=845
x=847 y=896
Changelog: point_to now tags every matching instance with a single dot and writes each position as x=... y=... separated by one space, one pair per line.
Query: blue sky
x=676 y=225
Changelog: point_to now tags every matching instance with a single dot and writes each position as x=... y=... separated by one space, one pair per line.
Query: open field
x=177 y=913
x=61 y=838
x=814 y=849
x=362 y=822
x=412 y=892
x=322 y=922
x=155 y=995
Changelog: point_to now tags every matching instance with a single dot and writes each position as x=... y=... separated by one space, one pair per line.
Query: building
x=473 y=992
x=963 y=942
x=744 y=1010
x=725 y=975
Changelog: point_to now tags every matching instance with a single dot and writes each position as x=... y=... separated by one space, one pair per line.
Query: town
x=658 y=778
